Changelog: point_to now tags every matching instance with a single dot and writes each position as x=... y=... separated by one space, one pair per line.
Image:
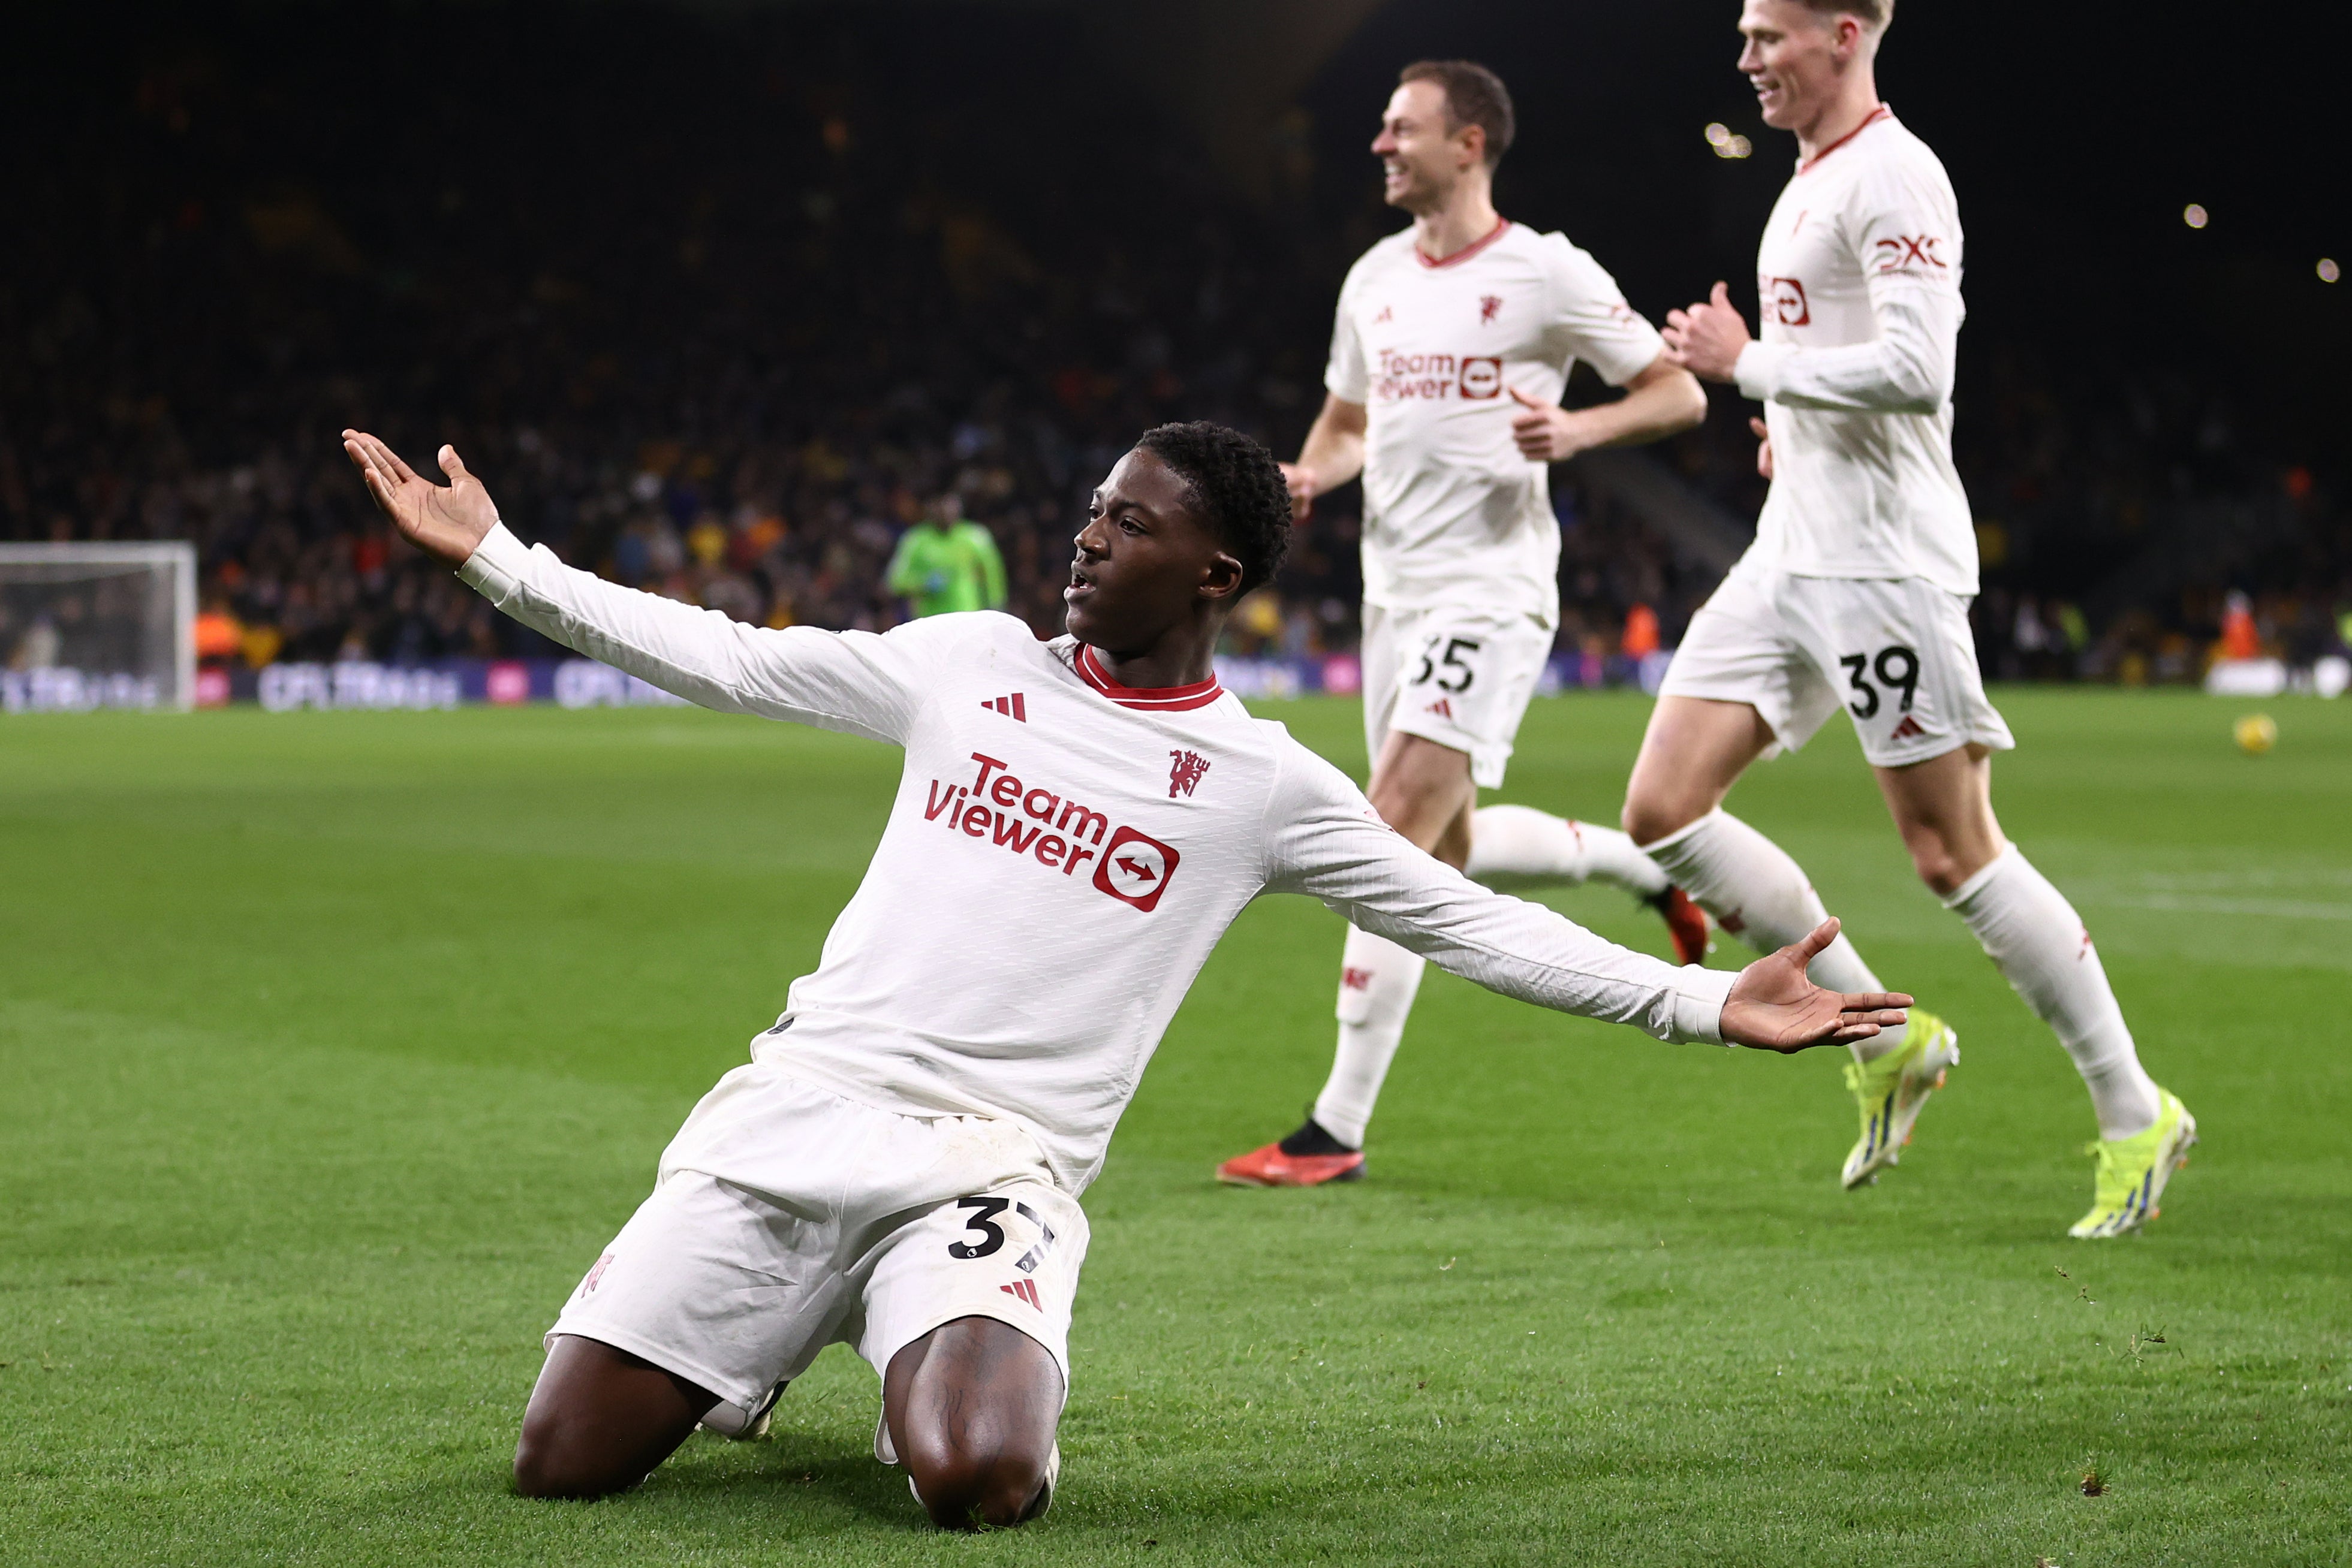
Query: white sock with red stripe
x=1755 y=892
x=1519 y=841
x=1377 y=983
x=2039 y=944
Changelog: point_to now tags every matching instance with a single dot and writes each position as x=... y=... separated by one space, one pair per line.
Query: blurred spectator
x=947 y=562
x=735 y=294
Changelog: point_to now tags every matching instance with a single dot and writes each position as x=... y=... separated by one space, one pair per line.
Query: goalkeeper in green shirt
x=945 y=563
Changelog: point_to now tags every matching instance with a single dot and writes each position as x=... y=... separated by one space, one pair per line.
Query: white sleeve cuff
x=1758 y=368
x=1699 y=1003
x=497 y=565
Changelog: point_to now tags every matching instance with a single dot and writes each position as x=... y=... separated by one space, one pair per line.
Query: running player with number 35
x=1856 y=592
x=1453 y=343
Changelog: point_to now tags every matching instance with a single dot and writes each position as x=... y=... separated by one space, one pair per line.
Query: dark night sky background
x=628 y=218
x=2074 y=135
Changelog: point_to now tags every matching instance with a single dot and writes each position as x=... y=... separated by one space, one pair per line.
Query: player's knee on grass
x=963 y=1489
x=600 y=1420
x=972 y=1406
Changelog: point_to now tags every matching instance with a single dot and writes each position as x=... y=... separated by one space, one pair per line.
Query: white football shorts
x=829 y=1222
x=1896 y=650
x=1461 y=677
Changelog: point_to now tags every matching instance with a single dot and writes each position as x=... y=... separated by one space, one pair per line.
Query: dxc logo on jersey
x=1900 y=252
x=1036 y=823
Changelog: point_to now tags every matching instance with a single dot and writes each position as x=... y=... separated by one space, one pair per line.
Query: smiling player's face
x=1145 y=563
x=1421 y=158
x=1790 y=58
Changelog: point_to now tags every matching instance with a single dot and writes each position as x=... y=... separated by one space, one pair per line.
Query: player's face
x=1790 y=58
x=1145 y=563
x=1419 y=160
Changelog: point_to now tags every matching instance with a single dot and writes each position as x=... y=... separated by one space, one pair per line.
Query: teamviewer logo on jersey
x=1784 y=301
x=1482 y=377
x=1136 y=869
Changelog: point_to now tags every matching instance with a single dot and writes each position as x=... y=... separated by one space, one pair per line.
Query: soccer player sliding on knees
x=898 y=1165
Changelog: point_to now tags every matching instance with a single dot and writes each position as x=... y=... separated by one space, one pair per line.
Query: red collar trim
x=1467 y=251
x=1880 y=112
x=1156 y=699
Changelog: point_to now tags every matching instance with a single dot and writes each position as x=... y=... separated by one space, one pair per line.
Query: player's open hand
x=447 y=522
x=1546 y=432
x=1763 y=446
x=1774 y=1007
x=1303 y=488
x=1705 y=340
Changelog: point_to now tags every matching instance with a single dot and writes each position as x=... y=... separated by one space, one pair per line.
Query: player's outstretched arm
x=448 y=523
x=1324 y=840
x=854 y=681
x=1774 y=1006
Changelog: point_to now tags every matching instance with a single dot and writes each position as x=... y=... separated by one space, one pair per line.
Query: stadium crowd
x=733 y=354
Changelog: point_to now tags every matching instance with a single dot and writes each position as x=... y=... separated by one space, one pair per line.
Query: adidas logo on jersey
x=1443 y=707
x=1026 y=1290
x=1909 y=729
x=1010 y=707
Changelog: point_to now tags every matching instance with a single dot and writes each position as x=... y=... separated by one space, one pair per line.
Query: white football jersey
x=1452 y=513
x=1859 y=280
x=1062 y=855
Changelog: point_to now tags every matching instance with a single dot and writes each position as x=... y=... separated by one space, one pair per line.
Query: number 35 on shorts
x=1897 y=668
x=1444 y=664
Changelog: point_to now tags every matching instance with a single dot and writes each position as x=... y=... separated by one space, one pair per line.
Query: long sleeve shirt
x=1062 y=855
x=1858 y=276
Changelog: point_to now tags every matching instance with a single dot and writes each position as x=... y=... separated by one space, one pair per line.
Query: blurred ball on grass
x=2256 y=734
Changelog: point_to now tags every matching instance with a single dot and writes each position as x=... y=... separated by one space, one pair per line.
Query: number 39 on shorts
x=1897 y=669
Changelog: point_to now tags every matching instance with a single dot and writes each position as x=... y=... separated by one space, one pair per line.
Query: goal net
x=97 y=625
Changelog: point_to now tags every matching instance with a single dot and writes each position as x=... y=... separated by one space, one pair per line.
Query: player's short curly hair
x=1237 y=488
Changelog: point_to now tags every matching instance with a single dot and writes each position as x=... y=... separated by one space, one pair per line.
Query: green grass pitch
x=333 y=1046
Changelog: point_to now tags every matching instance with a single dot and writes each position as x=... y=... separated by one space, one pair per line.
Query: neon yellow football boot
x=2134 y=1171
x=1891 y=1091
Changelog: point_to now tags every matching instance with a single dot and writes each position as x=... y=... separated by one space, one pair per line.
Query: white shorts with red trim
x=1461 y=677
x=1895 y=652
x=867 y=1228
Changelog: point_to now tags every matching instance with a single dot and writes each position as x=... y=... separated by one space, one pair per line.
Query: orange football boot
x=1312 y=1157
x=1685 y=922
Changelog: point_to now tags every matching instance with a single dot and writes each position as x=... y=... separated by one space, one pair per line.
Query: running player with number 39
x=1453 y=343
x=1856 y=592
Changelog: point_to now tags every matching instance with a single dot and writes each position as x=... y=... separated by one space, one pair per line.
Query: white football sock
x=1377 y=982
x=2039 y=944
x=1761 y=896
x=1519 y=841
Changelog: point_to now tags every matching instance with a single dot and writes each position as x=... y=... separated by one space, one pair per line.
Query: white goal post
x=97 y=625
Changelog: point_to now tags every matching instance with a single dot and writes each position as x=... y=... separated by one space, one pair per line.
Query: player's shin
x=2039 y=944
x=1378 y=980
x=1755 y=892
x=1519 y=841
